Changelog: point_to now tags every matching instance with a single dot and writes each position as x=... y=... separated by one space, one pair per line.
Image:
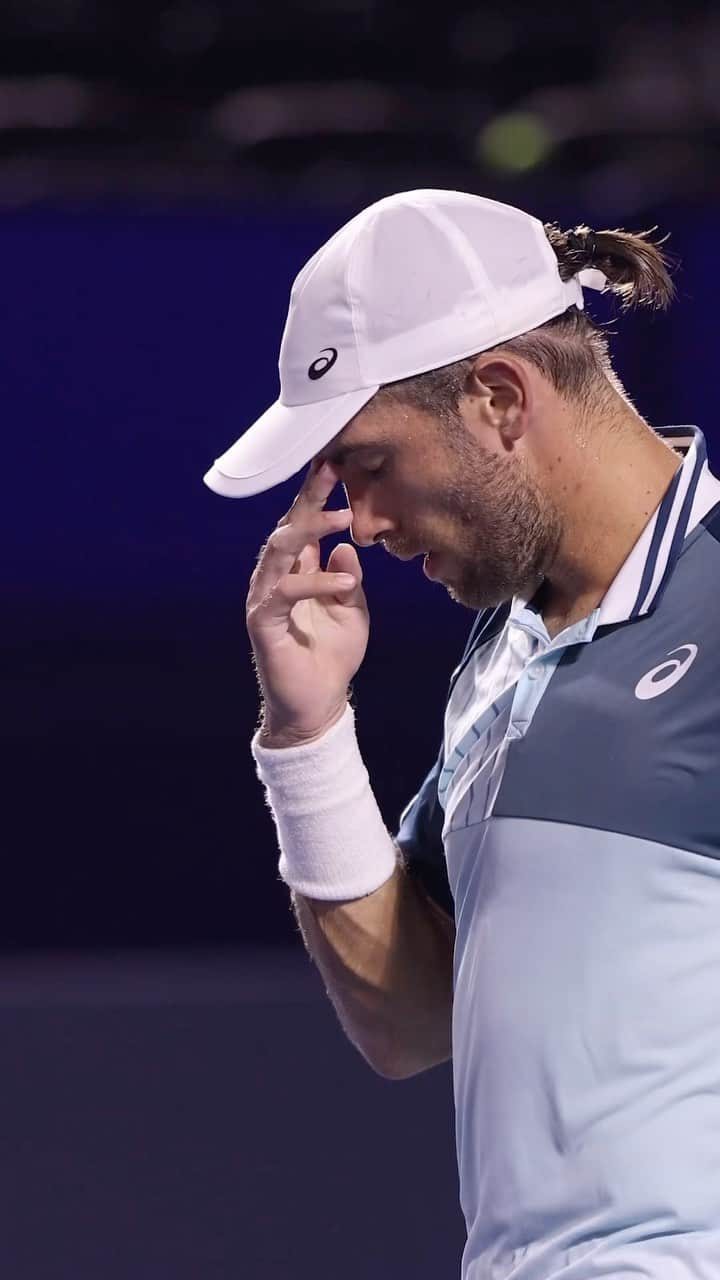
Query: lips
x=413 y=555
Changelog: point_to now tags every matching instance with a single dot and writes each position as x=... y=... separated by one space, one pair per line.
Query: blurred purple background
x=138 y=345
x=178 y=1098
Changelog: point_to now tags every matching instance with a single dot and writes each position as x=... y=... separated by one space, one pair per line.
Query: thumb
x=344 y=559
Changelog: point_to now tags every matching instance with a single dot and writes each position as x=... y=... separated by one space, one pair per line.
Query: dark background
x=138 y=345
x=165 y=171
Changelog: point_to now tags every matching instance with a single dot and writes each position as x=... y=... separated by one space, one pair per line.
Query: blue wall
x=137 y=346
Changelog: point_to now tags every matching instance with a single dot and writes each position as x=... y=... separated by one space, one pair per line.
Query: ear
x=501 y=389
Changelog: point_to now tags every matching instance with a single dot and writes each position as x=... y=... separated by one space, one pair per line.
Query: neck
x=606 y=482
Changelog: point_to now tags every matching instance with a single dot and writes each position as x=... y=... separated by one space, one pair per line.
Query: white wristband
x=333 y=841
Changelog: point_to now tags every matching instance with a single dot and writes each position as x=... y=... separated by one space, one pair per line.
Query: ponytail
x=637 y=270
x=571 y=349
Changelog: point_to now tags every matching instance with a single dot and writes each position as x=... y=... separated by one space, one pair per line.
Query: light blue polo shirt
x=571 y=824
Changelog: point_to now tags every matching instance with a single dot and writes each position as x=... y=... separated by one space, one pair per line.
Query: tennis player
x=548 y=912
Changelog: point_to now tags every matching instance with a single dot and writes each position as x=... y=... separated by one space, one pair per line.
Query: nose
x=367 y=528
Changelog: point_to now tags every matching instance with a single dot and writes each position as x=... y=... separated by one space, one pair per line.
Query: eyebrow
x=342 y=452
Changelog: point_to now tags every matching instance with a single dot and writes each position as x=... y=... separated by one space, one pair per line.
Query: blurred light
x=45 y=102
x=514 y=143
x=295 y=110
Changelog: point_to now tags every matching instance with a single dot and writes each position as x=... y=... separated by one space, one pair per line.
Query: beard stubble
x=508 y=529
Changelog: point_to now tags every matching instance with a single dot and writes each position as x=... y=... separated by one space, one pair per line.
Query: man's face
x=458 y=493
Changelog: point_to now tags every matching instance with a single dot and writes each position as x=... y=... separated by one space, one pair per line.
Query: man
x=549 y=912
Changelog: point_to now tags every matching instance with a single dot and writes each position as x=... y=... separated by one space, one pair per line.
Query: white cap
x=413 y=282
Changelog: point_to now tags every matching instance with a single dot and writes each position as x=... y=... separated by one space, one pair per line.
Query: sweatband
x=333 y=841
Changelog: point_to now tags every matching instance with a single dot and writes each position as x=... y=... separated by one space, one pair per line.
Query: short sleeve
x=420 y=839
x=422 y=821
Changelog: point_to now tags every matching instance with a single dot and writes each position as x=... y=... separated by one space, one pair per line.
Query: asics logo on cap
x=325 y=361
x=667 y=673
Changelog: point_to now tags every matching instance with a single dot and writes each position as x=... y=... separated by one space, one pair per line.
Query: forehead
x=377 y=426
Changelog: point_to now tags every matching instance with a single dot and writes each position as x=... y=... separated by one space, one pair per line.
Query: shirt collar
x=643 y=576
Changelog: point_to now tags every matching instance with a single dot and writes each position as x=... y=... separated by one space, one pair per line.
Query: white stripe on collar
x=692 y=493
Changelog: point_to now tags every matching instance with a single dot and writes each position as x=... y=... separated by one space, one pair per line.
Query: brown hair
x=571 y=350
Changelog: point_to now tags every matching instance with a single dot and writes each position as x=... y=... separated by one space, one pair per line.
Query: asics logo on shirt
x=663 y=677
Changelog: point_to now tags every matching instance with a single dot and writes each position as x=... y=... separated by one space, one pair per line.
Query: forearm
x=386 y=961
x=383 y=948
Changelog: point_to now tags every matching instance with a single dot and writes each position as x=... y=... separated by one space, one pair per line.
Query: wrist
x=334 y=844
x=276 y=737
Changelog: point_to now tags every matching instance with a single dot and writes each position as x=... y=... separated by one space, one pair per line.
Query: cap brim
x=280 y=443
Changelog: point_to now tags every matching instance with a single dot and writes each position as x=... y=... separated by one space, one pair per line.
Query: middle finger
x=286 y=543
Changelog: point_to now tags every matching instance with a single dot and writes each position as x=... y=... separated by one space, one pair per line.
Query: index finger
x=316 y=489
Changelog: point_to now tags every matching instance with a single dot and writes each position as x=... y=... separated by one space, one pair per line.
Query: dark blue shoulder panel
x=420 y=838
x=712 y=521
x=421 y=823
x=598 y=754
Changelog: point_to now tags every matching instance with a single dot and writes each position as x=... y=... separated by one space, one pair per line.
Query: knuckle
x=292 y=535
x=256 y=613
x=283 y=587
x=278 y=538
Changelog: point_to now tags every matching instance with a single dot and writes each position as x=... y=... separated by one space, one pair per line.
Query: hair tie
x=586 y=244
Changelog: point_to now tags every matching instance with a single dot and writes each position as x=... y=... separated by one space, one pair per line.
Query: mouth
x=413 y=555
